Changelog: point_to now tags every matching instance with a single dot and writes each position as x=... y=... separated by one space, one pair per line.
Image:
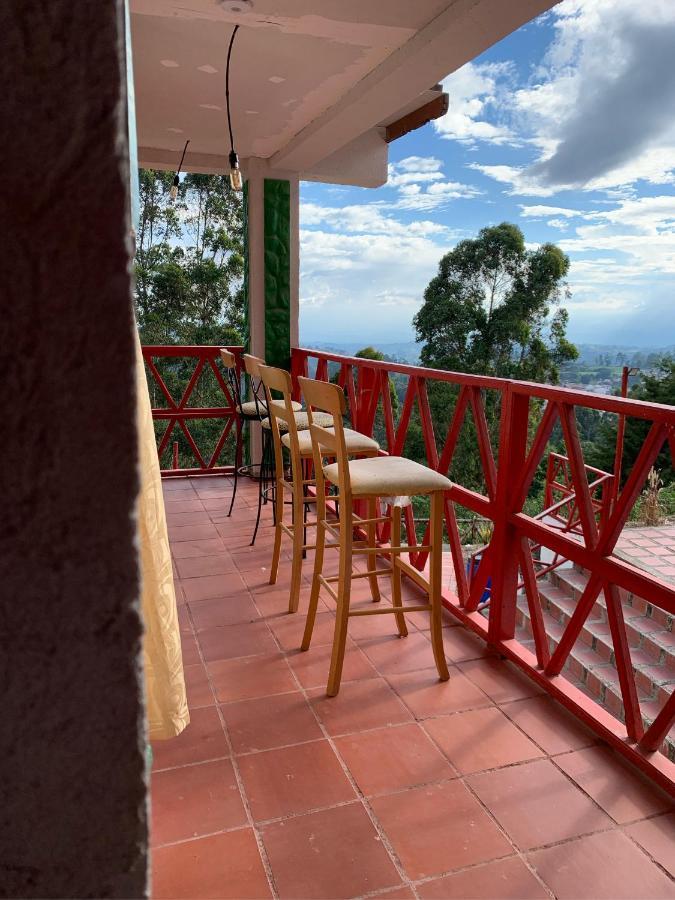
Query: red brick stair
x=591 y=665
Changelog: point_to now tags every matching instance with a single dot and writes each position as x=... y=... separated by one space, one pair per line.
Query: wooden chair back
x=252 y=366
x=280 y=409
x=328 y=398
x=228 y=358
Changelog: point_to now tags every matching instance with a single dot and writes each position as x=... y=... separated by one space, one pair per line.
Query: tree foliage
x=489 y=310
x=189 y=261
x=492 y=309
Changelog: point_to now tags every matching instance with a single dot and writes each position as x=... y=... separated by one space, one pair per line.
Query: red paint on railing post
x=620 y=434
x=505 y=539
x=367 y=398
x=298 y=369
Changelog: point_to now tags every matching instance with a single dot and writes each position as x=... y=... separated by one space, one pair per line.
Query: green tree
x=493 y=309
x=488 y=311
x=656 y=386
x=189 y=261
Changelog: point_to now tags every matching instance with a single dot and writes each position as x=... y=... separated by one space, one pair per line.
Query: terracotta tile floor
x=652 y=549
x=399 y=787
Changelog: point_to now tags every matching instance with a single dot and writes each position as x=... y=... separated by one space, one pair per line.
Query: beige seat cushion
x=390 y=476
x=250 y=409
x=302 y=421
x=356 y=442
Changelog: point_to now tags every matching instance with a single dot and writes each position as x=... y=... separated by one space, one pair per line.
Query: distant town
x=598 y=368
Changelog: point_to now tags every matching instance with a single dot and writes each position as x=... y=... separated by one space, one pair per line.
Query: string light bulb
x=236 y=181
x=173 y=193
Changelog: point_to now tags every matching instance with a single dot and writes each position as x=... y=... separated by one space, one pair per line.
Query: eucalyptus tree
x=493 y=309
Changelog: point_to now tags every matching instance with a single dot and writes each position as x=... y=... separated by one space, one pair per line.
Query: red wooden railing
x=561 y=511
x=560 y=495
x=508 y=471
x=177 y=412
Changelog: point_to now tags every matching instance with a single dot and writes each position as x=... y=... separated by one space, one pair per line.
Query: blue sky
x=566 y=127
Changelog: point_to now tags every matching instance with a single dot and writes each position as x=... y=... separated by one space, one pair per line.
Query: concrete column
x=72 y=767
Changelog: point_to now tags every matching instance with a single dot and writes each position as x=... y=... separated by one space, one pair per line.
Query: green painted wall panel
x=247 y=323
x=277 y=215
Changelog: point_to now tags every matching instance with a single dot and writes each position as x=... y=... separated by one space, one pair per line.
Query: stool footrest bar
x=383 y=611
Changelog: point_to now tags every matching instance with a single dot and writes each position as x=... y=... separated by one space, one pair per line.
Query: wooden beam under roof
x=434 y=109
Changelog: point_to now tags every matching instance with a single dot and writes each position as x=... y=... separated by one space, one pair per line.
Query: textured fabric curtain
x=166 y=702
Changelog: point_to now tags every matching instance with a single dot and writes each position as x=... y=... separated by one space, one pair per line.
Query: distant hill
x=405 y=351
x=592 y=354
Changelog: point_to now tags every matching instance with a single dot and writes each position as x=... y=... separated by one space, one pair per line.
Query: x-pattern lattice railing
x=560 y=495
x=178 y=412
x=507 y=560
x=560 y=510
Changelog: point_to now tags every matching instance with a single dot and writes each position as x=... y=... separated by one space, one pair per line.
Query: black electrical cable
x=176 y=179
x=227 y=84
x=180 y=164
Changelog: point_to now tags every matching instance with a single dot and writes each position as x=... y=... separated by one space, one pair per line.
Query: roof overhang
x=318 y=87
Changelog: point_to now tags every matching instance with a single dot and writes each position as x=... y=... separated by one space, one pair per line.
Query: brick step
x=590 y=668
x=650 y=709
x=573 y=579
x=649 y=629
x=654 y=677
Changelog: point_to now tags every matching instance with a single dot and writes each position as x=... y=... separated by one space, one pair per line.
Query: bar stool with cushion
x=387 y=477
x=258 y=405
x=254 y=410
x=289 y=431
x=257 y=410
x=266 y=480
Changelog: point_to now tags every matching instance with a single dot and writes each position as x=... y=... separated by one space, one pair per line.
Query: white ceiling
x=293 y=62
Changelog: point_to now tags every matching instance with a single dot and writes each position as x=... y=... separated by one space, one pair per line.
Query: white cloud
x=418 y=164
x=421 y=184
x=639 y=232
x=517 y=178
x=541 y=212
x=413 y=196
x=649 y=214
x=403 y=178
x=366 y=266
x=476 y=92
x=414 y=169
x=368 y=218
x=596 y=110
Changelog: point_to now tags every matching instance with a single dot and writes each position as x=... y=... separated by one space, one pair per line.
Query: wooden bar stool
x=382 y=477
x=257 y=410
x=290 y=431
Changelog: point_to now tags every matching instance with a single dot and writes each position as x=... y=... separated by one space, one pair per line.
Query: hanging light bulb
x=173 y=192
x=236 y=181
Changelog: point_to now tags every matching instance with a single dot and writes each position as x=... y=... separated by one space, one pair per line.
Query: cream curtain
x=165 y=698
